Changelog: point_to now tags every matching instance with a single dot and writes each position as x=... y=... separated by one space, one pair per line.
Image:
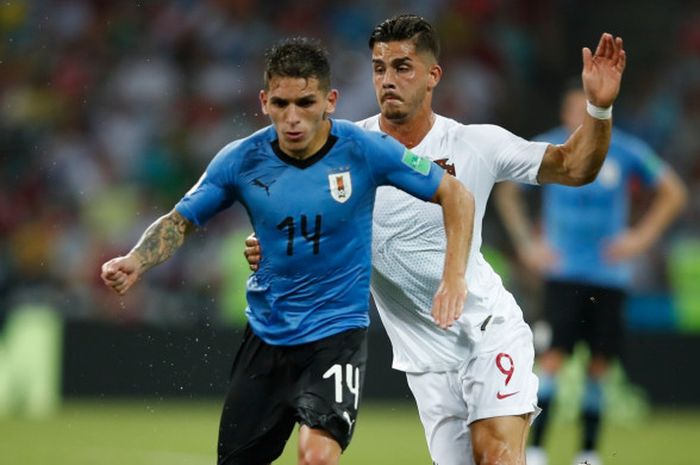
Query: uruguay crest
x=341 y=186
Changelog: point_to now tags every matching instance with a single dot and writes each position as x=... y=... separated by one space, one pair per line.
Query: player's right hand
x=602 y=70
x=121 y=273
x=448 y=301
x=252 y=252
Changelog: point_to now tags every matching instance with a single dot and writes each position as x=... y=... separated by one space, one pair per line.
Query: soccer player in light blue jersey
x=308 y=184
x=584 y=257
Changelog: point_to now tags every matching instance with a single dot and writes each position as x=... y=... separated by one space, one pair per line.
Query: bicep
x=206 y=199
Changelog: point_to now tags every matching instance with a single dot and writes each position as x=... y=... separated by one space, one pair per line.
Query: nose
x=292 y=115
x=388 y=79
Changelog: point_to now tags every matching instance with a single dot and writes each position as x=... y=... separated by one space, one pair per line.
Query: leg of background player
x=592 y=408
x=550 y=363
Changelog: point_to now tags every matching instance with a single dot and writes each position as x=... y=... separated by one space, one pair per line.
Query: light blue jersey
x=579 y=222
x=313 y=219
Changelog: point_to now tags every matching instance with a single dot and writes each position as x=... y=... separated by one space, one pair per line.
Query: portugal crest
x=341 y=186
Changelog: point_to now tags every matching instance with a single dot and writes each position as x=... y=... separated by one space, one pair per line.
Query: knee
x=317 y=456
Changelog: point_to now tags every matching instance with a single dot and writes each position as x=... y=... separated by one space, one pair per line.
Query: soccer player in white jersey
x=473 y=382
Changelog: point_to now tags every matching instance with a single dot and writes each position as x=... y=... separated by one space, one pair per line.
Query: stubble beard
x=395 y=115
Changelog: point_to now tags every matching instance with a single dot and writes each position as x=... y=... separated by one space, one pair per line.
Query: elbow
x=582 y=178
x=585 y=174
x=456 y=195
x=587 y=178
x=675 y=191
x=681 y=197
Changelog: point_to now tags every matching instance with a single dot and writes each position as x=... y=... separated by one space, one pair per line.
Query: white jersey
x=408 y=245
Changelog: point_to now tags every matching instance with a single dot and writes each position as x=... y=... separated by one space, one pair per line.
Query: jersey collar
x=308 y=161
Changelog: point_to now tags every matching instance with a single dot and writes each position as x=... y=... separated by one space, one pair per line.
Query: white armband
x=599 y=112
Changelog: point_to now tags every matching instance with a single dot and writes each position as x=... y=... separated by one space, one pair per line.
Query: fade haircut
x=298 y=57
x=407 y=27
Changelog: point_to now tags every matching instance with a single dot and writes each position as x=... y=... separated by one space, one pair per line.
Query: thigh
x=443 y=414
x=328 y=392
x=257 y=419
x=500 y=381
x=562 y=307
x=605 y=314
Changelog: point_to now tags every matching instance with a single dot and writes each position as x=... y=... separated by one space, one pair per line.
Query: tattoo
x=160 y=241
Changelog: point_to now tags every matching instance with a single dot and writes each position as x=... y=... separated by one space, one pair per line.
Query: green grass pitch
x=152 y=432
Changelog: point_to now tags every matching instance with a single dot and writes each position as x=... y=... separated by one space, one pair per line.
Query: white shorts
x=497 y=381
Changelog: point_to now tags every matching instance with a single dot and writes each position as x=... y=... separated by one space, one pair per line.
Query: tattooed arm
x=158 y=243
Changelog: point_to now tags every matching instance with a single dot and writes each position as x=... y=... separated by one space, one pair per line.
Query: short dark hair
x=298 y=57
x=407 y=27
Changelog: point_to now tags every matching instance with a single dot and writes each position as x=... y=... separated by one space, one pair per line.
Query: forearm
x=511 y=209
x=458 y=214
x=578 y=160
x=160 y=241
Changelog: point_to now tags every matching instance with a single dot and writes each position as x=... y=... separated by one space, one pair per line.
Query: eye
x=403 y=68
x=306 y=103
x=378 y=69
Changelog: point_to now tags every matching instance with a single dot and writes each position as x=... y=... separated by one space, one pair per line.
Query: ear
x=331 y=101
x=263 y=102
x=434 y=76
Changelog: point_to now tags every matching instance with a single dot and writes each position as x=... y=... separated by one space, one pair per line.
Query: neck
x=411 y=131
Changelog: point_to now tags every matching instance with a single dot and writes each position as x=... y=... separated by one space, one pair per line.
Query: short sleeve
x=393 y=164
x=514 y=158
x=215 y=190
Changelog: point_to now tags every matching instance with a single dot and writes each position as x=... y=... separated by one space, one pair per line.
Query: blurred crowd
x=110 y=111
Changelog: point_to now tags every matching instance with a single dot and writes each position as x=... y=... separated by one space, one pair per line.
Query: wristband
x=599 y=112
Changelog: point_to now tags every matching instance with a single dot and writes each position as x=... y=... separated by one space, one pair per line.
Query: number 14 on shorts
x=352 y=381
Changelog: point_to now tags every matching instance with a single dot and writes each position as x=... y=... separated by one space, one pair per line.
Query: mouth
x=294 y=136
x=391 y=98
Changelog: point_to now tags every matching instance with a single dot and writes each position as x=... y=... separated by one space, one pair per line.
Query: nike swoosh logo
x=500 y=396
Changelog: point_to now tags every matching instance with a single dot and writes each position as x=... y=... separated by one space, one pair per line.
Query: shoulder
x=480 y=136
x=354 y=133
x=348 y=129
x=371 y=123
x=629 y=143
x=233 y=152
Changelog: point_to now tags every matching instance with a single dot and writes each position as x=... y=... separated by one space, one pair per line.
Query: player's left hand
x=252 y=252
x=448 y=301
x=626 y=246
x=602 y=71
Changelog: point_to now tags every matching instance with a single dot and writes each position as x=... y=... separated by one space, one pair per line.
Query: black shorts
x=582 y=312
x=318 y=384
